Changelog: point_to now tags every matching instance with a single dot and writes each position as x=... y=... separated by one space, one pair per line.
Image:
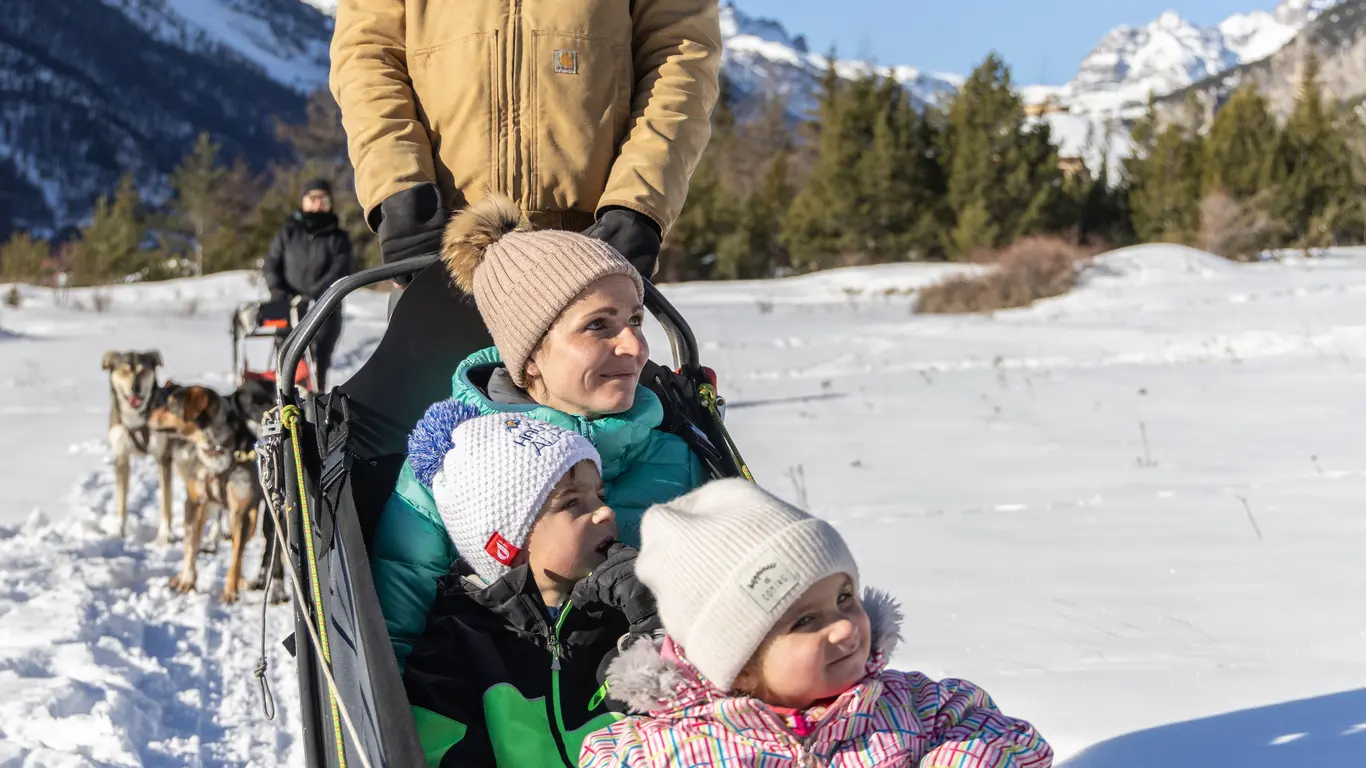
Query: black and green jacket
x=494 y=681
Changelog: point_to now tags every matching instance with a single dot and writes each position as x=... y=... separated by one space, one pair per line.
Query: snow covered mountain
x=1336 y=36
x=1171 y=53
x=75 y=116
x=762 y=60
x=77 y=112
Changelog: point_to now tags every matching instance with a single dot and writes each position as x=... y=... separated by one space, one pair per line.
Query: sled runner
x=272 y=320
x=329 y=463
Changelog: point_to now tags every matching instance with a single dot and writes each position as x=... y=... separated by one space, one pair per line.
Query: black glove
x=411 y=223
x=614 y=584
x=633 y=234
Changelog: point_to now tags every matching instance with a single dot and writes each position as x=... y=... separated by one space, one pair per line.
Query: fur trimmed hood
x=647 y=677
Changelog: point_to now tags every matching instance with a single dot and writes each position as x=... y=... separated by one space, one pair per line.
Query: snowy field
x=1132 y=513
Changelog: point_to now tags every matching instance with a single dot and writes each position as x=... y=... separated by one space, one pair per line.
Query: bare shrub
x=1020 y=274
x=1234 y=229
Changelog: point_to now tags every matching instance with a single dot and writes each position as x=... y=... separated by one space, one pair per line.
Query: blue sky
x=1042 y=40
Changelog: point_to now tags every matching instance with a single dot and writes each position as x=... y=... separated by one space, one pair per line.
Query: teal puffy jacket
x=641 y=466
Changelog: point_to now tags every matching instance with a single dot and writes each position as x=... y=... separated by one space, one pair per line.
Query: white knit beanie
x=725 y=562
x=490 y=476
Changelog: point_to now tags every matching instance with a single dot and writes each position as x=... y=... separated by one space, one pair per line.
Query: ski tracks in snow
x=102 y=664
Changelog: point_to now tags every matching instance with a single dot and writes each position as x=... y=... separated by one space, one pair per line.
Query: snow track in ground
x=101 y=663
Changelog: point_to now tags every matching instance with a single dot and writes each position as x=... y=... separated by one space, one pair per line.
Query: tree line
x=870 y=177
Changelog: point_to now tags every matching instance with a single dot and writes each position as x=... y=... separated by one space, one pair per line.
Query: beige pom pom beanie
x=522 y=279
x=725 y=562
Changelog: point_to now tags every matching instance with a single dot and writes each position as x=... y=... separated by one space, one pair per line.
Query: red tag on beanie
x=501 y=549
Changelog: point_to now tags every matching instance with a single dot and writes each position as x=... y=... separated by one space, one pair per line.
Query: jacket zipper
x=515 y=103
x=553 y=701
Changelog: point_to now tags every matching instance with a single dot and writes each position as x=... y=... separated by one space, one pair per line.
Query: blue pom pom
x=431 y=438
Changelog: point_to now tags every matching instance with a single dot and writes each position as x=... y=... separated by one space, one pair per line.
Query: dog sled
x=273 y=320
x=329 y=462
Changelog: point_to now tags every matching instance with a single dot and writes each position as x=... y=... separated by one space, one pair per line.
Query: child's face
x=574 y=529
x=590 y=360
x=819 y=648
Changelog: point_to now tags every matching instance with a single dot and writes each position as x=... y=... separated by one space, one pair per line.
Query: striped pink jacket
x=888 y=719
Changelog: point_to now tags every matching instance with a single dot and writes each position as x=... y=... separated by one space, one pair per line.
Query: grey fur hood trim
x=645 y=681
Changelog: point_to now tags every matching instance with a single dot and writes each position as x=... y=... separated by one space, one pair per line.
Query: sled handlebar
x=302 y=336
x=682 y=342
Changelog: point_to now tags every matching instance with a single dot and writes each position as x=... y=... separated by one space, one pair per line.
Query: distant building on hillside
x=1048 y=106
x=1070 y=166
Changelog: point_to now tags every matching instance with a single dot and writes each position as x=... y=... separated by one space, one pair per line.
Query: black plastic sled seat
x=328 y=464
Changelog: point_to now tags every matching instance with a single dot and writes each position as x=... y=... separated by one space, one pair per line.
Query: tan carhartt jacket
x=566 y=106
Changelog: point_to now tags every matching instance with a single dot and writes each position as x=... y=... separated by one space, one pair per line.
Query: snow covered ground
x=1131 y=513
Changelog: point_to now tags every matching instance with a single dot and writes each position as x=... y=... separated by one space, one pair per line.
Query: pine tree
x=1102 y=214
x=195 y=208
x=111 y=245
x=1240 y=146
x=1316 y=192
x=690 y=247
x=753 y=248
x=827 y=223
x=1003 y=177
x=1165 y=187
x=21 y=258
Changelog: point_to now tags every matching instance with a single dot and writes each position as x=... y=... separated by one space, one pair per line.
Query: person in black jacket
x=510 y=670
x=308 y=255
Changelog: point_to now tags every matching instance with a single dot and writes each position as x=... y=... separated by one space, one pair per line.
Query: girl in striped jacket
x=771 y=659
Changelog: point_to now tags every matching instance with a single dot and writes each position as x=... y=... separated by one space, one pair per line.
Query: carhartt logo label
x=566 y=62
x=501 y=549
x=769 y=582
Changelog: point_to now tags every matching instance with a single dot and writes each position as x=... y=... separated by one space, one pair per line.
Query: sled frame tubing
x=240 y=358
x=682 y=342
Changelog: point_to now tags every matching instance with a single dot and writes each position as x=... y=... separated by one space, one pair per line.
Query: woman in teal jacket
x=565 y=312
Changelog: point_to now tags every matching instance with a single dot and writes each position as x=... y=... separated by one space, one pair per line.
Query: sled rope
x=707 y=394
x=313 y=636
x=289 y=417
x=263 y=664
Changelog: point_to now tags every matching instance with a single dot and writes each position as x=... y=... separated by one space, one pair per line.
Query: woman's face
x=590 y=360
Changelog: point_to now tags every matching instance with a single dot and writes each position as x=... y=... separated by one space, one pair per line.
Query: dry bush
x=1028 y=270
x=1236 y=230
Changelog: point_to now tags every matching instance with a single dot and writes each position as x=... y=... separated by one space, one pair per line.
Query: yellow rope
x=289 y=417
x=707 y=393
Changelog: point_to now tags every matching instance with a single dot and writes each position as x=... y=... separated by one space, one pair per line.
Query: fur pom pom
x=431 y=439
x=641 y=678
x=885 y=618
x=471 y=231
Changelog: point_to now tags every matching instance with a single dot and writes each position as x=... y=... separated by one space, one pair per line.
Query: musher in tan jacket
x=591 y=114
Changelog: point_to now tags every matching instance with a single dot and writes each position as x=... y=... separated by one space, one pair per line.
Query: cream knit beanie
x=725 y=562
x=490 y=476
x=523 y=279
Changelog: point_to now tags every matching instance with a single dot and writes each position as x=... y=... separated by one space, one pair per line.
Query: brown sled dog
x=220 y=474
x=132 y=388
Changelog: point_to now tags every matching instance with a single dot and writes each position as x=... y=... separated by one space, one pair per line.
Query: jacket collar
x=316 y=224
x=619 y=438
x=655 y=676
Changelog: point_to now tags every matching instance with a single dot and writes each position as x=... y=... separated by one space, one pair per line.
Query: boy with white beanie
x=771 y=659
x=508 y=671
